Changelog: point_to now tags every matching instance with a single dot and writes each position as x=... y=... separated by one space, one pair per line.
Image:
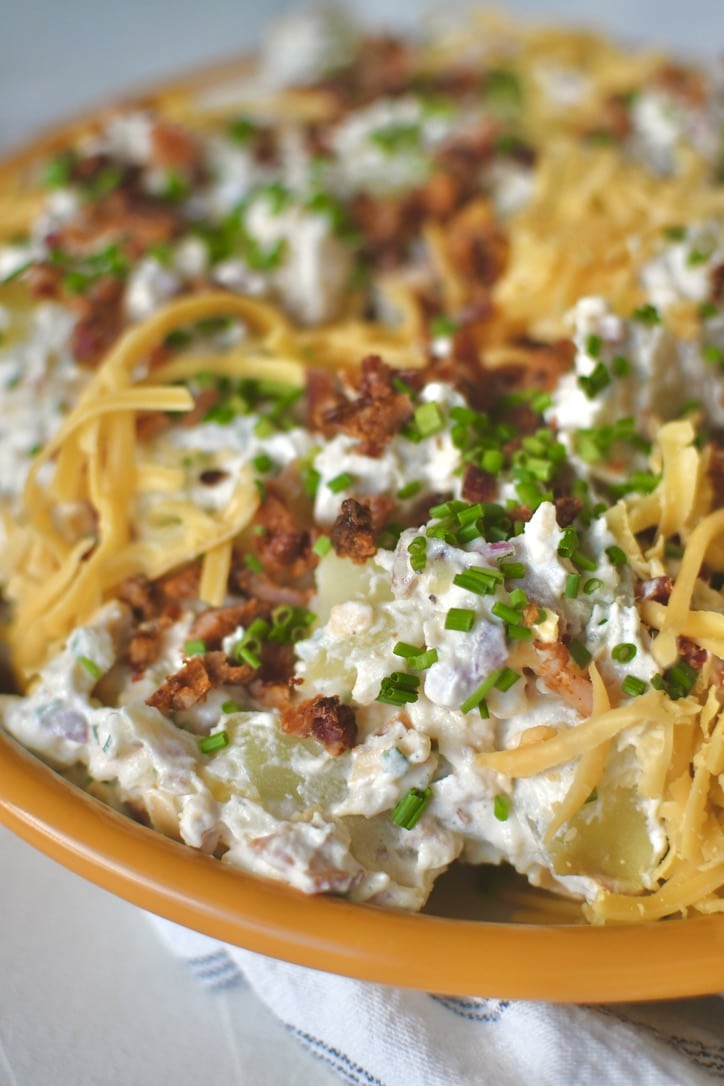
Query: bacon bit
x=376 y=415
x=478 y=485
x=715 y=472
x=221 y=670
x=552 y=663
x=44 y=281
x=327 y=719
x=441 y=196
x=387 y=223
x=100 y=319
x=382 y=68
x=213 y=476
x=189 y=686
x=658 y=589
x=684 y=83
x=151 y=424
x=137 y=592
x=180 y=584
x=694 y=654
x=214 y=625
x=352 y=533
x=477 y=247
x=172 y=147
x=285 y=548
x=144 y=647
x=717 y=284
x=463 y=156
x=567 y=509
x=322 y=397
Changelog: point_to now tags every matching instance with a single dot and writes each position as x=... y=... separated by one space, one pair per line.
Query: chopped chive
x=417 y=551
x=443 y=326
x=263 y=463
x=423 y=661
x=580 y=654
x=479 y=694
x=429 y=419
x=712 y=354
x=616 y=556
x=264 y=428
x=340 y=482
x=253 y=563
x=409 y=490
x=398 y=689
x=679 y=680
x=633 y=686
x=593 y=584
x=408 y=811
x=647 y=314
x=247 y=656
x=460 y=618
x=505 y=612
x=623 y=652
x=310 y=482
x=322 y=546
x=519 y=598
x=594 y=344
x=595 y=382
x=568 y=543
x=501 y=808
x=620 y=366
x=573 y=584
x=406 y=650
x=506 y=679
x=231 y=707
x=519 y=633
x=194 y=648
x=472 y=580
x=512 y=571
x=583 y=561
x=707 y=310
x=217 y=741
x=492 y=461
x=94 y=670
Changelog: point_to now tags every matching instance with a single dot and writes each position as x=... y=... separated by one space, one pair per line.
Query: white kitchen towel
x=373 y=1035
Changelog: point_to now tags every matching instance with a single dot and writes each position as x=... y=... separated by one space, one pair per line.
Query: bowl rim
x=557 y=962
x=554 y=962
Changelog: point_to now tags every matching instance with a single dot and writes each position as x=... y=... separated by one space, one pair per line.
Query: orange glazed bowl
x=468 y=942
x=507 y=960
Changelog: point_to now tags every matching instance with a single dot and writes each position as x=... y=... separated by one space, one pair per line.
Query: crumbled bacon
x=213 y=625
x=186 y=688
x=477 y=247
x=163 y=597
x=694 y=654
x=100 y=319
x=478 y=485
x=284 y=548
x=327 y=719
x=173 y=147
x=221 y=670
x=715 y=472
x=657 y=589
x=382 y=68
x=352 y=534
x=567 y=509
x=376 y=415
x=717 y=284
x=322 y=396
x=146 y=642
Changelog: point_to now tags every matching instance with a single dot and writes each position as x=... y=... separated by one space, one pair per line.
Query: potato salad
x=361 y=472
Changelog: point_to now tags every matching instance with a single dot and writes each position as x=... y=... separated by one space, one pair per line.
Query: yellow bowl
x=548 y=961
x=561 y=962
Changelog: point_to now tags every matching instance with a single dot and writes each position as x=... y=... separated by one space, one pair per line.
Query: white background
x=88 y=997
